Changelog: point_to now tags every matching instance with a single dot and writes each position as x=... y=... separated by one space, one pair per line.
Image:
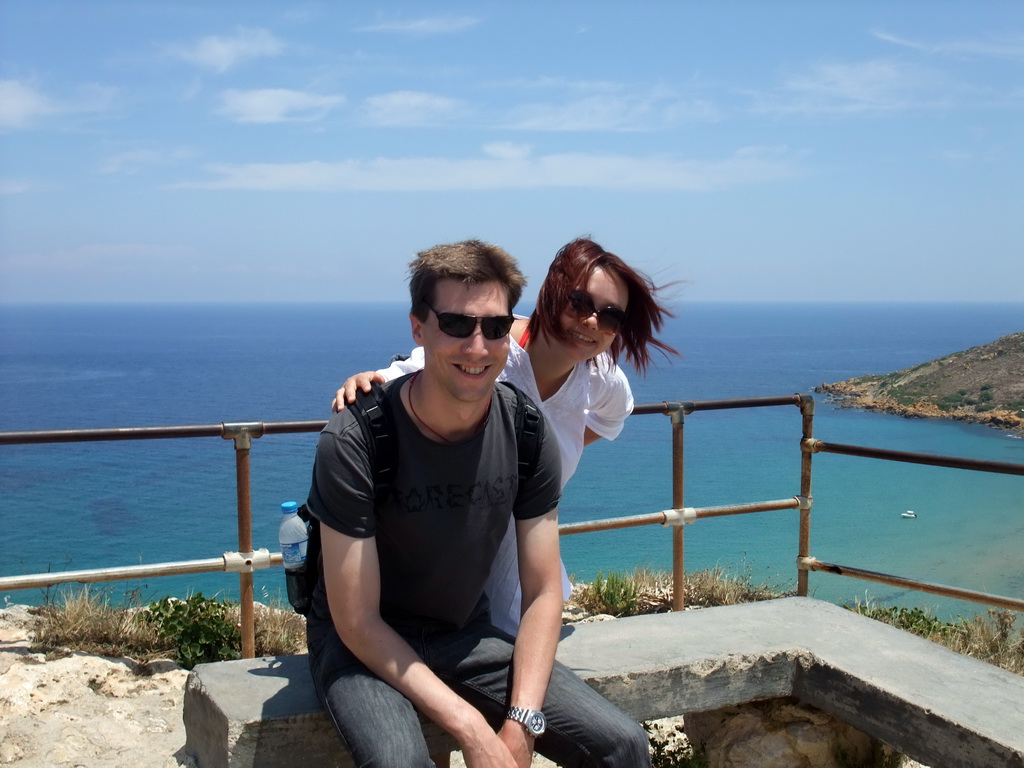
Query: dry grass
x=86 y=621
x=646 y=590
x=990 y=637
x=279 y=630
x=706 y=589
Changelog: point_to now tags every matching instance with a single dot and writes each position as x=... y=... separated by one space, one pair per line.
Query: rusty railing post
x=242 y=434
x=804 y=547
x=678 y=415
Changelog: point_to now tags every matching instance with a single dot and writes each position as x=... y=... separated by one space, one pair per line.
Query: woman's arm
x=347 y=394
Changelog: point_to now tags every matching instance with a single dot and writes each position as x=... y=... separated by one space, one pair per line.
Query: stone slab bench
x=936 y=706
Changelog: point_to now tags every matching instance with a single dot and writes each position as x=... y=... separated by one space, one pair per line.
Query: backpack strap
x=529 y=431
x=373 y=412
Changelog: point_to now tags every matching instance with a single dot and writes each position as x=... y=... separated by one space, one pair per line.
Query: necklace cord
x=412 y=407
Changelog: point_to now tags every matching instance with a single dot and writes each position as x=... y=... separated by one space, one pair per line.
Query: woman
x=592 y=308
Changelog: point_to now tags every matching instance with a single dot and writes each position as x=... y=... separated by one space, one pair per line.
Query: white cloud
x=15 y=186
x=134 y=160
x=506 y=150
x=862 y=87
x=611 y=112
x=21 y=104
x=220 y=54
x=412 y=108
x=437 y=25
x=86 y=259
x=509 y=167
x=547 y=82
x=276 y=105
x=1012 y=48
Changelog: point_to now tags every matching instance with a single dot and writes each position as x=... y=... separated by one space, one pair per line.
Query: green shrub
x=615 y=595
x=913 y=620
x=200 y=627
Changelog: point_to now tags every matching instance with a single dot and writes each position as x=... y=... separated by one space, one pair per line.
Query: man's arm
x=540 y=574
x=352 y=578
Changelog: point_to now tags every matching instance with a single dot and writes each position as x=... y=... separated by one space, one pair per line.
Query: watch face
x=536 y=723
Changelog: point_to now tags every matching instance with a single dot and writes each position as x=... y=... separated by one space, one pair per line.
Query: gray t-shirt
x=445 y=514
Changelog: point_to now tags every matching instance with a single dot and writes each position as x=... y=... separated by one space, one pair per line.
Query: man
x=399 y=622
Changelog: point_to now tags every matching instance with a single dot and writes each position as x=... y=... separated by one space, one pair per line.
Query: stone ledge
x=934 y=705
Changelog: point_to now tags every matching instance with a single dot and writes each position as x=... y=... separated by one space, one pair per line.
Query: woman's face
x=586 y=339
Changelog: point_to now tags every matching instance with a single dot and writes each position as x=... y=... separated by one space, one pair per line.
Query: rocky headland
x=984 y=385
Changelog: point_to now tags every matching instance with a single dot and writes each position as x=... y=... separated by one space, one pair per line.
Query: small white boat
x=909 y=513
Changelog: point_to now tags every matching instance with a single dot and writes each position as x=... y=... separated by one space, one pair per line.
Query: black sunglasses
x=609 y=319
x=462 y=326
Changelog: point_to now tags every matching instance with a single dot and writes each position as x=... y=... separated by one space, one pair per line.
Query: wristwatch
x=532 y=719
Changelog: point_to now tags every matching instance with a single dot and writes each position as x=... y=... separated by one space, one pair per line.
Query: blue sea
x=85 y=505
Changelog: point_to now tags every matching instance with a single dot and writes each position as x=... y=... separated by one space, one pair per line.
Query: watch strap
x=531 y=719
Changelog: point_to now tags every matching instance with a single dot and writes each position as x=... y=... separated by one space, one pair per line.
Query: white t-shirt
x=596 y=395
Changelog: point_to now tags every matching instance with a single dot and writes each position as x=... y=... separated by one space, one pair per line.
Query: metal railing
x=246 y=560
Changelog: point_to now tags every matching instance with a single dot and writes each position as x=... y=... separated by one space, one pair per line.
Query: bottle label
x=294 y=554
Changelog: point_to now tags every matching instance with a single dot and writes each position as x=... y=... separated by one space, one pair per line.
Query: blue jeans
x=380 y=727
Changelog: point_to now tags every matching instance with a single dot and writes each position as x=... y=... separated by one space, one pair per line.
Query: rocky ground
x=84 y=710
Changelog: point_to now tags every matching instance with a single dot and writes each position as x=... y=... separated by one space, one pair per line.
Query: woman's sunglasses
x=609 y=319
x=462 y=326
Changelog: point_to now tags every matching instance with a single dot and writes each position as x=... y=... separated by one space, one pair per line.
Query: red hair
x=571 y=271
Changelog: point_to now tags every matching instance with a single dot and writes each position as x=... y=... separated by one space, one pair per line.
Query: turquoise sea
x=74 y=506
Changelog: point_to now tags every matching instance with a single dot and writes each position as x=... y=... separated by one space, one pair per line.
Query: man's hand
x=518 y=741
x=489 y=750
x=347 y=394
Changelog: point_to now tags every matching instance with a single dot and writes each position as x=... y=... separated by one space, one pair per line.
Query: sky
x=173 y=151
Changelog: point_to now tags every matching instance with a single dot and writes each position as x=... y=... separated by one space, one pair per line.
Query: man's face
x=465 y=369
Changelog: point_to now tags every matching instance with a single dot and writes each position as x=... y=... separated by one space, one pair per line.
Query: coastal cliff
x=984 y=385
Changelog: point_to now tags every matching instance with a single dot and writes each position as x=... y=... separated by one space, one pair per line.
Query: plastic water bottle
x=293 y=534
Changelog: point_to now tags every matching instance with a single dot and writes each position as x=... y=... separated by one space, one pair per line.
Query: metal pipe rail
x=245 y=561
x=813 y=564
x=952 y=462
x=227 y=430
x=229 y=562
x=677 y=411
x=692 y=406
x=677 y=517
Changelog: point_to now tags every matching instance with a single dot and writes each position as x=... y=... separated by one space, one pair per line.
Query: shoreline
x=867 y=396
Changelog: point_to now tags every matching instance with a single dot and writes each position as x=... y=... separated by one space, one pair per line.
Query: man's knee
x=632 y=747
x=621 y=742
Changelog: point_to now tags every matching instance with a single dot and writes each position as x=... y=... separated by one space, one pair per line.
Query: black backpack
x=373 y=412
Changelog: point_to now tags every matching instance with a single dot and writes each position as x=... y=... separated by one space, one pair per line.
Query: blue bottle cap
x=289 y=508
